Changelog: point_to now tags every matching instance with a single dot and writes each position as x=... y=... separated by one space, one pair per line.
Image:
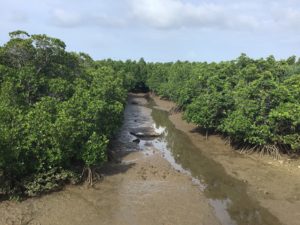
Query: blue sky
x=161 y=30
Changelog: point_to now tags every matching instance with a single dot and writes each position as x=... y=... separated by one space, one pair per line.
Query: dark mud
x=142 y=189
x=227 y=195
x=263 y=189
x=175 y=178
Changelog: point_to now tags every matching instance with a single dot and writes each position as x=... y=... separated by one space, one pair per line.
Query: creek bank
x=146 y=189
x=142 y=189
x=275 y=184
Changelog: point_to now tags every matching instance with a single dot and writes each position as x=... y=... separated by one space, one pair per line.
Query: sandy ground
x=143 y=189
x=274 y=183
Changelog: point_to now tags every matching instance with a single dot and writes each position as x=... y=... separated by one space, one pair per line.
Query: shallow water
x=227 y=195
x=144 y=189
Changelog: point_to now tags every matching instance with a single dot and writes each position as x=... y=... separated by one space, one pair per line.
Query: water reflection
x=227 y=195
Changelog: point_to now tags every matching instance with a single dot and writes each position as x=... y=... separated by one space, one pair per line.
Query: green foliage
x=255 y=102
x=285 y=121
x=133 y=73
x=58 y=111
x=95 y=150
x=51 y=180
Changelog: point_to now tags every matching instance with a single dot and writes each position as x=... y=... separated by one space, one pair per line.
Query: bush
x=58 y=111
x=254 y=102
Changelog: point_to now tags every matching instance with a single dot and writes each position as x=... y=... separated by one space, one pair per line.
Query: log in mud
x=172 y=177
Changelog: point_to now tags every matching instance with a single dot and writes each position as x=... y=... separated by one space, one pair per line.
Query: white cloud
x=71 y=19
x=177 y=13
x=287 y=18
x=18 y=16
x=152 y=28
x=65 y=18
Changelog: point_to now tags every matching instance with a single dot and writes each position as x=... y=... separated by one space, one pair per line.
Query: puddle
x=227 y=195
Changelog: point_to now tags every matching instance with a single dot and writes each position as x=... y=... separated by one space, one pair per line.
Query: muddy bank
x=275 y=184
x=172 y=177
x=143 y=188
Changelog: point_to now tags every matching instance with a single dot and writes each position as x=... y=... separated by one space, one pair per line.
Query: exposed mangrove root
x=227 y=140
x=175 y=109
x=90 y=175
x=271 y=150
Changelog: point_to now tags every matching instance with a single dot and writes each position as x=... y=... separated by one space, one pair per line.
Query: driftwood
x=145 y=135
x=136 y=140
x=144 y=132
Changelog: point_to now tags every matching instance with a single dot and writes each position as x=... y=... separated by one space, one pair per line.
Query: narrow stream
x=227 y=195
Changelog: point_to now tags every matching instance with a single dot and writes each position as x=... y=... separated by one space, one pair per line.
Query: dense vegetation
x=58 y=111
x=256 y=103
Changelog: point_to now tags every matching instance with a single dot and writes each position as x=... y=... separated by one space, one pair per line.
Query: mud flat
x=274 y=185
x=173 y=177
x=140 y=188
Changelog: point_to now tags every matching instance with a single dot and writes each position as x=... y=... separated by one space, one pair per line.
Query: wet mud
x=254 y=189
x=164 y=172
x=139 y=187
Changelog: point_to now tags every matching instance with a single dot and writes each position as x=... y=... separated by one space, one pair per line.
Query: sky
x=161 y=30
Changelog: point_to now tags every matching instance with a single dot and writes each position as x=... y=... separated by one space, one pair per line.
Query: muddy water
x=139 y=187
x=143 y=188
x=227 y=195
